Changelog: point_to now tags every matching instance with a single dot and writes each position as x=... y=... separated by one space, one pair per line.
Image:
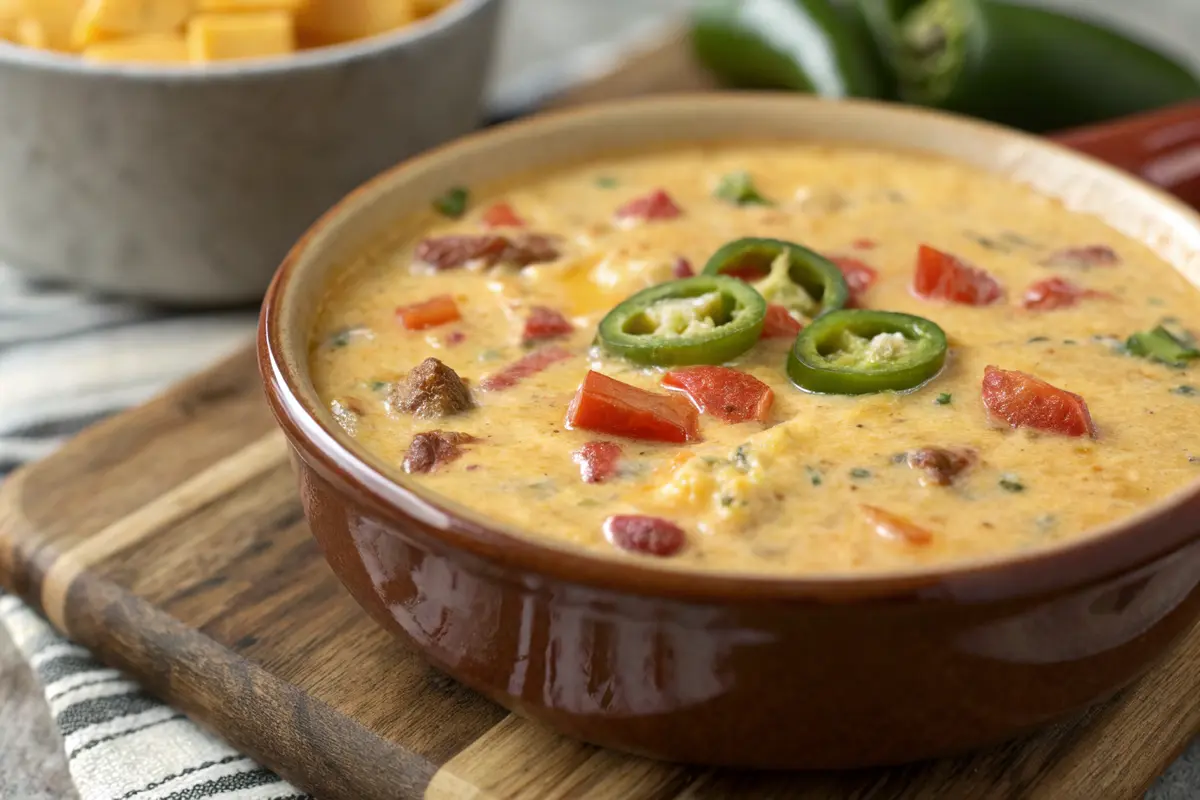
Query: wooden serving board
x=170 y=540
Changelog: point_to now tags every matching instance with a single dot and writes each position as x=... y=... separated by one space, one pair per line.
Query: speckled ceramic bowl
x=187 y=184
x=816 y=671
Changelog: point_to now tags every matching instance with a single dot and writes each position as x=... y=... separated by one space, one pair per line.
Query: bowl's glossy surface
x=188 y=184
x=822 y=671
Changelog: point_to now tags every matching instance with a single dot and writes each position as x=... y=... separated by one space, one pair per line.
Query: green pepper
x=1163 y=346
x=856 y=351
x=789 y=274
x=708 y=319
x=804 y=45
x=1027 y=67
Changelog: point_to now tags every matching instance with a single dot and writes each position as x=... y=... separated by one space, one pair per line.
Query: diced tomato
x=1094 y=255
x=894 y=526
x=606 y=405
x=501 y=215
x=598 y=461
x=545 y=323
x=682 y=268
x=724 y=393
x=1055 y=293
x=864 y=244
x=941 y=276
x=522 y=368
x=429 y=314
x=859 y=277
x=652 y=536
x=780 y=324
x=1024 y=401
x=656 y=205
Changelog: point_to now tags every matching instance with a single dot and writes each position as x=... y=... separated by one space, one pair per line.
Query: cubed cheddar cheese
x=48 y=23
x=220 y=37
x=100 y=20
x=158 y=48
x=334 y=21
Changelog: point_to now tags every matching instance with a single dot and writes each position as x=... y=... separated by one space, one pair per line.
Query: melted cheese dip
x=789 y=501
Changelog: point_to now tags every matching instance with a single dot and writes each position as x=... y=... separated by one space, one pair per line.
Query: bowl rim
x=1158 y=531
x=314 y=59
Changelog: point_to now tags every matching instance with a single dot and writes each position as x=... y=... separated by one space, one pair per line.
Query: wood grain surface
x=170 y=540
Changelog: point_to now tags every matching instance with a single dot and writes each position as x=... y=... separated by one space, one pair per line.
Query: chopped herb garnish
x=738 y=188
x=1185 y=390
x=1045 y=522
x=741 y=458
x=859 y=472
x=1069 y=341
x=346 y=335
x=1172 y=348
x=453 y=203
x=900 y=458
x=489 y=355
x=1035 y=339
x=814 y=475
x=987 y=243
x=711 y=461
x=1010 y=484
x=726 y=500
x=379 y=386
x=944 y=399
x=606 y=182
x=1155 y=301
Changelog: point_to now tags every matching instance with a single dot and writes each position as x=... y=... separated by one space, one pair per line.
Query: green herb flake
x=741 y=458
x=1036 y=339
x=814 y=475
x=345 y=336
x=606 y=182
x=899 y=458
x=1185 y=390
x=379 y=386
x=944 y=399
x=1069 y=341
x=738 y=188
x=453 y=203
x=860 y=473
x=1155 y=301
x=726 y=501
x=1009 y=483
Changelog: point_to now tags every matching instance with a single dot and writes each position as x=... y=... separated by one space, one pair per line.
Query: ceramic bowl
x=820 y=671
x=187 y=184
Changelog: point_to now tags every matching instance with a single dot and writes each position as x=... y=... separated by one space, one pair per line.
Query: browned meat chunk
x=448 y=252
x=431 y=390
x=940 y=465
x=432 y=449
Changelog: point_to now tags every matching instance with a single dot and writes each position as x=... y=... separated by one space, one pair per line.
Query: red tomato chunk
x=545 y=323
x=656 y=205
x=859 y=276
x=682 y=268
x=598 y=461
x=1055 y=293
x=652 y=536
x=941 y=276
x=606 y=405
x=724 y=393
x=429 y=314
x=1024 y=401
x=501 y=215
x=1094 y=255
x=522 y=368
x=780 y=324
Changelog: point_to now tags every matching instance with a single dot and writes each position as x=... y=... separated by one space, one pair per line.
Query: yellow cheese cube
x=250 y=5
x=333 y=21
x=109 y=19
x=219 y=37
x=158 y=48
x=52 y=19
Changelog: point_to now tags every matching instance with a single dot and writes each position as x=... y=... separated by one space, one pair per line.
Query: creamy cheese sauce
x=783 y=496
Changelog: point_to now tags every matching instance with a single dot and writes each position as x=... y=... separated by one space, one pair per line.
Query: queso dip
x=684 y=356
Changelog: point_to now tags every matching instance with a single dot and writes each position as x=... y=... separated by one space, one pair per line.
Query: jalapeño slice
x=708 y=319
x=861 y=352
x=784 y=273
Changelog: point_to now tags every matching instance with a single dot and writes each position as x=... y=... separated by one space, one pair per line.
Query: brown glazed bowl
x=822 y=671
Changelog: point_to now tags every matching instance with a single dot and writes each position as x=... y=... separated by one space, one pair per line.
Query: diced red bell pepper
x=522 y=368
x=545 y=323
x=682 y=268
x=656 y=205
x=429 y=314
x=1094 y=255
x=501 y=215
x=724 y=393
x=606 y=405
x=780 y=324
x=894 y=526
x=598 y=461
x=1055 y=293
x=859 y=276
x=941 y=276
x=1024 y=401
x=652 y=536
